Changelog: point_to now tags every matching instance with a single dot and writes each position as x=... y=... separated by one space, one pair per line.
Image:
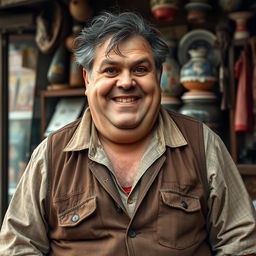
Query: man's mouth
x=125 y=99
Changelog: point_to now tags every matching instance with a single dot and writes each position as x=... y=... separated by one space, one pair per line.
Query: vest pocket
x=75 y=215
x=179 y=219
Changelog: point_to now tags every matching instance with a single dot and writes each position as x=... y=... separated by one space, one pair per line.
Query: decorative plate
x=198 y=38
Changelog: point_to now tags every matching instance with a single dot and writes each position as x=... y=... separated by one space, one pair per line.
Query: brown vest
x=86 y=215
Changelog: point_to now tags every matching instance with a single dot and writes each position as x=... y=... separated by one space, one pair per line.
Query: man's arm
x=231 y=218
x=24 y=230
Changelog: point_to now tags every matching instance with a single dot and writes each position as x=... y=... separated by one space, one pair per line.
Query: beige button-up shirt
x=231 y=219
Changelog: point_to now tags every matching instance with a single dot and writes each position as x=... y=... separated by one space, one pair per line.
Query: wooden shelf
x=63 y=93
x=247 y=169
x=44 y=95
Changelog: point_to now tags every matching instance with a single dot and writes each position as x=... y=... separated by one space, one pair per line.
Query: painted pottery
x=198 y=38
x=58 y=70
x=170 y=79
x=165 y=10
x=197 y=11
x=75 y=73
x=198 y=73
x=241 y=19
x=171 y=102
x=80 y=10
x=230 y=5
x=203 y=106
x=75 y=70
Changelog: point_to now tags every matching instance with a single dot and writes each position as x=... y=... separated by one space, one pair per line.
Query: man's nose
x=125 y=80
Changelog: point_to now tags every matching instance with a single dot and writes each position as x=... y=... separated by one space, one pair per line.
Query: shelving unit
x=9 y=20
x=55 y=94
x=245 y=169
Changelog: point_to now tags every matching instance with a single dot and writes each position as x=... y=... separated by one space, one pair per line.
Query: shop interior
x=42 y=89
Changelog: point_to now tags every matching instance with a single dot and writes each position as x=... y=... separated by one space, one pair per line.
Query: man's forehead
x=118 y=48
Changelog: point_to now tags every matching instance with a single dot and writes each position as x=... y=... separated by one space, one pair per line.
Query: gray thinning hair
x=119 y=27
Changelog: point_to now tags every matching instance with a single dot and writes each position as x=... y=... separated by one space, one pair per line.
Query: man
x=129 y=178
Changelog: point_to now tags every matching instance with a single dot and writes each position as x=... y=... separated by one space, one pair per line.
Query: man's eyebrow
x=142 y=60
x=107 y=62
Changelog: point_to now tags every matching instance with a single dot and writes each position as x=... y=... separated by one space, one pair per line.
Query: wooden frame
x=4 y=124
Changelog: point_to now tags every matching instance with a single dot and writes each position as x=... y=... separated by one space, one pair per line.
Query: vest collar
x=86 y=134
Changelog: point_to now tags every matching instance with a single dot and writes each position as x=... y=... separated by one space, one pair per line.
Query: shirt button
x=132 y=233
x=118 y=208
x=184 y=204
x=75 y=218
x=130 y=201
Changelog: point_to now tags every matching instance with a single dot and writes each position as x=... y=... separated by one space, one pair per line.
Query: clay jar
x=80 y=10
x=75 y=70
x=170 y=80
x=165 y=10
x=202 y=106
x=57 y=73
x=241 y=19
x=198 y=74
x=197 y=11
x=230 y=5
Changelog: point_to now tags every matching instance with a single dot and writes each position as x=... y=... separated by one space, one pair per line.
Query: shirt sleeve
x=24 y=229
x=232 y=217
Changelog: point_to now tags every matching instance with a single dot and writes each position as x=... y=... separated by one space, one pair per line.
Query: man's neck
x=125 y=158
x=125 y=149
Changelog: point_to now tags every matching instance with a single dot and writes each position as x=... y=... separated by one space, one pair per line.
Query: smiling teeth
x=125 y=100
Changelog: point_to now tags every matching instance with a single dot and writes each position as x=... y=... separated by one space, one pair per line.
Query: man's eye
x=140 y=70
x=110 y=71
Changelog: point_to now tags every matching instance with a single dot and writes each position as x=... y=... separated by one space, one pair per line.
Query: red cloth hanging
x=244 y=101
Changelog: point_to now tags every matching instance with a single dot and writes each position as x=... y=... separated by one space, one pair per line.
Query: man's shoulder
x=178 y=117
x=66 y=132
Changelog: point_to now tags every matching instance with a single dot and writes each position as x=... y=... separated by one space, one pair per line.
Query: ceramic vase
x=80 y=10
x=198 y=74
x=230 y=5
x=241 y=19
x=75 y=70
x=170 y=80
x=197 y=11
x=203 y=106
x=165 y=10
x=58 y=71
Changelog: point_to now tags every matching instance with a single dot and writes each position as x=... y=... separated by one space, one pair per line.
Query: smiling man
x=129 y=178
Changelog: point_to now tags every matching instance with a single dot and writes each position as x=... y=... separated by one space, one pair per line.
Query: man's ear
x=86 y=79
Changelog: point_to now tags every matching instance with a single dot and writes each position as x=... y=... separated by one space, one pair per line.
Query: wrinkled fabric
x=24 y=231
x=244 y=101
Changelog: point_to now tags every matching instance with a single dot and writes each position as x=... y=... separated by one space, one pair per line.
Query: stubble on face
x=123 y=110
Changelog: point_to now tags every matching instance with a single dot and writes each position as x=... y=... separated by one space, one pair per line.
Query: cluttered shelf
x=71 y=102
x=62 y=93
x=247 y=169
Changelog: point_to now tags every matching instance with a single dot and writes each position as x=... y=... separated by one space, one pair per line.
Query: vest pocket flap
x=184 y=202
x=78 y=213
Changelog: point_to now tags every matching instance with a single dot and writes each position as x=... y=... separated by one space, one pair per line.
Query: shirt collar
x=82 y=135
x=86 y=135
x=171 y=134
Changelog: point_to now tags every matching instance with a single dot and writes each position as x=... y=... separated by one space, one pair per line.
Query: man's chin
x=126 y=125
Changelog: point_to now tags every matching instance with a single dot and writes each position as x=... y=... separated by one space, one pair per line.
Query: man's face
x=123 y=91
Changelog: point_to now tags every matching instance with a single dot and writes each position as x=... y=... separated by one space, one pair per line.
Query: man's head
x=119 y=27
x=122 y=58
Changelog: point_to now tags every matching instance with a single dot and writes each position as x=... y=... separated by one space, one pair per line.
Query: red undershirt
x=127 y=190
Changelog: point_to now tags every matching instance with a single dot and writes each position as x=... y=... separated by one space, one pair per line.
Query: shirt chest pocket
x=78 y=213
x=80 y=221
x=180 y=220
